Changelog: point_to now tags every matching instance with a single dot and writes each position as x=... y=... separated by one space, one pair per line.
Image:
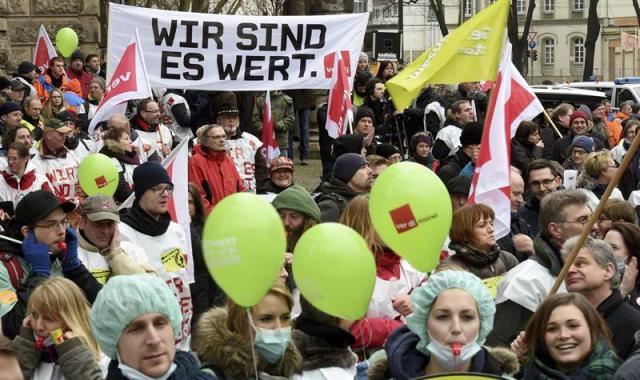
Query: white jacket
x=243 y=153
x=167 y=253
x=62 y=173
x=163 y=136
x=99 y=266
x=593 y=200
x=15 y=194
x=385 y=291
x=166 y=103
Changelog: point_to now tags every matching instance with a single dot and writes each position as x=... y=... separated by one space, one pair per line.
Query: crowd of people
x=92 y=290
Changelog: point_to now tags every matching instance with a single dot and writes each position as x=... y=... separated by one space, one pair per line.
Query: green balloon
x=243 y=244
x=335 y=270
x=66 y=41
x=98 y=174
x=410 y=209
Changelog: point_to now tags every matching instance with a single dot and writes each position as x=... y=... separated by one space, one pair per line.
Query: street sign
x=532 y=44
x=532 y=36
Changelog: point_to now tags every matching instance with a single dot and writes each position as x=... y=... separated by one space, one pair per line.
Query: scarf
x=474 y=257
x=387 y=265
x=142 y=222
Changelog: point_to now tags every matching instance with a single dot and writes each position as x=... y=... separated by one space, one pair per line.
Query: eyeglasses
x=64 y=223
x=544 y=182
x=583 y=220
x=158 y=190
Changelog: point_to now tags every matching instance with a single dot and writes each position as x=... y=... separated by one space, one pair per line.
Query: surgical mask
x=620 y=264
x=452 y=357
x=134 y=374
x=271 y=344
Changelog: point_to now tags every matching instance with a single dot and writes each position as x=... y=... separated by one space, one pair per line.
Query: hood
x=334 y=185
x=317 y=353
x=405 y=361
x=216 y=345
x=111 y=148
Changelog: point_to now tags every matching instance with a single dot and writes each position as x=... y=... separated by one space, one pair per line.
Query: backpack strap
x=14 y=269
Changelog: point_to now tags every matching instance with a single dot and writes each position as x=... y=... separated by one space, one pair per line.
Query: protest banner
x=239 y=53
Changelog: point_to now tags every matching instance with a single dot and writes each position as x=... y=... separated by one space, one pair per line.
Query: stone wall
x=20 y=20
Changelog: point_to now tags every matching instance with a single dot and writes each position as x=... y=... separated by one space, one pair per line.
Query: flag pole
x=596 y=214
x=553 y=125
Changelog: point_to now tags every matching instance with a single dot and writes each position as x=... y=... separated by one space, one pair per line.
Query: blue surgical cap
x=424 y=296
x=125 y=298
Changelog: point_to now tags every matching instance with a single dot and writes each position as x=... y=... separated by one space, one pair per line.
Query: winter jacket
x=402 y=361
x=70 y=360
x=630 y=369
x=430 y=161
x=60 y=170
x=530 y=212
x=45 y=84
x=14 y=188
x=601 y=364
x=165 y=245
x=84 y=78
x=561 y=147
x=522 y=290
x=594 y=190
x=128 y=259
x=619 y=151
x=215 y=175
x=126 y=162
x=519 y=226
x=243 y=149
x=230 y=353
x=623 y=321
x=188 y=367
x=325 y=351
x=176 y=115
x=271 y=188
x=482 y=264
x=282 y=115
x=333 y=198
x=454 y=166
x=158 y=135
x=447 y=140
x=523 y=154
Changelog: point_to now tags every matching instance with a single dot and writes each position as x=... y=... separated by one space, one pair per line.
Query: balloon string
x=251 y=338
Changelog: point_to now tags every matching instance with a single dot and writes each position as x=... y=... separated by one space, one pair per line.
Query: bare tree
x=438 y=10
x=519 y=41
x=593 y=32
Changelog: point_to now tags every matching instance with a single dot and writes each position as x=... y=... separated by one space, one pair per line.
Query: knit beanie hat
x=586 y=110
x=386 y=150
x=296 y=198
x=148 y=175
x=576 y=115
x=9 y=107
x=352 y=143
x=77 y=55
x=471 y=134
x=347 y=165
x=364 y=111
x=583 y=142
x=460 y=185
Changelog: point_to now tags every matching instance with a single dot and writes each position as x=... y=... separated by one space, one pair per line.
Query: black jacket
x=561 y=147
x=333 y=198
x=523 y=154
x=453 y=167
x=623 y=321
x=530 y=213
x=630 y=369
x=440 y=149
x=322 y=345
x=518 y=226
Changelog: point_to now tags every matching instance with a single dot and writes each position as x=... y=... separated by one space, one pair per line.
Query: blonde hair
x=356 y=216
x=596 y=163
x=48 y=111
x=63 y=300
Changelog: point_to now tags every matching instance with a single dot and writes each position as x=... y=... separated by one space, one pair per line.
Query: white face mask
x=134 y=374
x=444 y=354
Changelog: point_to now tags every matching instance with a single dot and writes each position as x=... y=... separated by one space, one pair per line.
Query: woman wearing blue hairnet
x=453 y=314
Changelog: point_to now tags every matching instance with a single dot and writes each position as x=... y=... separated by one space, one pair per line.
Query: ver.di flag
x=129 y=81
x=44 y=50
x=269 y=142
x=513 y=102
x=470 y=53
x=339 y=113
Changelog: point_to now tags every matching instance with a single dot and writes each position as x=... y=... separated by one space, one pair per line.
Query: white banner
x=244 y=53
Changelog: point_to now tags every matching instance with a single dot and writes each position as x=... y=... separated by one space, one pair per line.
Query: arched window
x=578 y=51
x=549 y=51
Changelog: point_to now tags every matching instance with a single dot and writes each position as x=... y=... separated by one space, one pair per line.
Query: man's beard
x=293 y=236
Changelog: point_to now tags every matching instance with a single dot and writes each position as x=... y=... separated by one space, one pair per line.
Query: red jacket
x=84 y=78
x=215 y=175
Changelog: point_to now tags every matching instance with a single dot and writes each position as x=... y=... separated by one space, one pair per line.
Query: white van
x=618 y=91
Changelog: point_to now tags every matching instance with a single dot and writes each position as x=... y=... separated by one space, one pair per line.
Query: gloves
x=37 y=255
x=71 y=260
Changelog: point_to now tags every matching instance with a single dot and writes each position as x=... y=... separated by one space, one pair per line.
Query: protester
x=395 y=280
x=351 y=176
x=149 y=225
x=578 y=126
x=599 y=169
x=470 y=139
x=386 y=70
x=175 y=113
x=629 y=130
x=567 y=339
x=580 y=147
x=615 y=210
x=390 y=152
x=147 y=124
x=446 y=332
x=324 y=342
x=55 y=104
x=27 y=73
x=282 y=116
x=226 y=339
x=543 y=178
x=363 y=126
x=144 y=321
x=563 y=214
x=54 y=78
x=9 y=361
x=145 y=148
x=280 y=174
x=303 y=103
x=56 y=341
x=20 y=177
x=420 y=150
x=76 y=71
x=561 y=115
x=18 y=89
x=448 y=138
x=458 y=189
x=601 y=126
x=97 y=88
x=118 y=146
x=519 y=240
x=211 y=169
x=77 y=141
x=360 y=86
x=377 y=164
x=624 y=238
x=10 y=116
x=351 y=143
x=526 y=145
x=48 y=247
x=92 y=66
x=376 y=101
x=31 y=114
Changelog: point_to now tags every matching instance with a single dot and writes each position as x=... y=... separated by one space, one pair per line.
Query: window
x=578 y=51
x=521 y=6
x=549 y=47
x=549 y=6
x=358 y=6
x=623 y=95
x=377 y=13
x=468 y=8
x=578 y=5
x=385 y=13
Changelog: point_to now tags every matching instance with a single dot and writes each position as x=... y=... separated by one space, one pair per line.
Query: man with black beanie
x=76 y=71
x=351 y=176
x=469 y=150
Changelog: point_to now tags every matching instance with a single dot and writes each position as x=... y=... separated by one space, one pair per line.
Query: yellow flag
x=470 y=53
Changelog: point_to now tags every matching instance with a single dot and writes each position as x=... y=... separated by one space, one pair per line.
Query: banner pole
x=596 y=215
x=553 y=125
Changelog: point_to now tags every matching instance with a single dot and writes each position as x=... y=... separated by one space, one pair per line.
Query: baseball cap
x=100 y=207
x=56 y=125
x=36 y=205
x=280 y=163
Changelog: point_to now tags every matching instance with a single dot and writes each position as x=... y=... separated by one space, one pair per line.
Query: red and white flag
x=512 y=102
x=269 y=142
x=129 y=81
x=629 y=41
x=44 y=50
x=339 y=113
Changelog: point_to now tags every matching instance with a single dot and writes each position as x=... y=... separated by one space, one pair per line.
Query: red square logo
x=403 y=218
x=101 y=182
